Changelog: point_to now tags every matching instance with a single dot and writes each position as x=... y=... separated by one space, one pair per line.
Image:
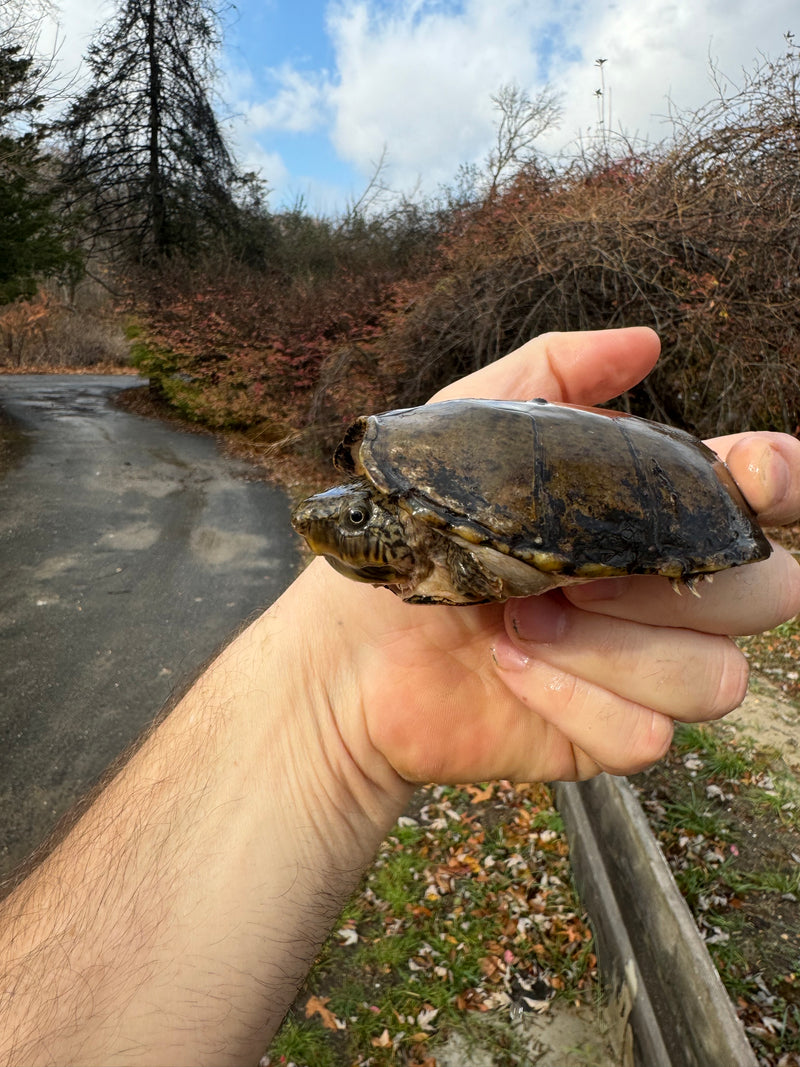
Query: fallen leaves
x=384 y=1041
x=347 y=935
x=319 y=1006
x=468 y=909
x=725 y=817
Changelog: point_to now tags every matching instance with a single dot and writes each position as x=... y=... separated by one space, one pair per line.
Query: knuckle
x=648 y=740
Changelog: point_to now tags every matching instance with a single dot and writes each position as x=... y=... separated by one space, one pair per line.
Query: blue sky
x=317 y=90
x=278 y=57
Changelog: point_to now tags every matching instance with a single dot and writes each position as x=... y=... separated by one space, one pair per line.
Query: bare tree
x=22 y=18
x=521 y=123
x=146 y=157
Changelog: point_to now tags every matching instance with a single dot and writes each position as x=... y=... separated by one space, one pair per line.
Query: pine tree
x=33 y=240
x=147 y=159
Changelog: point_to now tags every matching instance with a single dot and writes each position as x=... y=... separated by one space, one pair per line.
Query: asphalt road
x=129 y=551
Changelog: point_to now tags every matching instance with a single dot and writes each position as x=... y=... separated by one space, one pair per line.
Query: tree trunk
x=157 y=205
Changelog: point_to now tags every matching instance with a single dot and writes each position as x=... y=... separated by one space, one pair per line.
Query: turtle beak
x=315 y=521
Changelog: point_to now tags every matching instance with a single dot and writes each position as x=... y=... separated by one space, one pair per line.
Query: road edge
x=664 y=989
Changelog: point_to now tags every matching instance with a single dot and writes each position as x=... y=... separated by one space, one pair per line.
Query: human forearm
x=176 y=920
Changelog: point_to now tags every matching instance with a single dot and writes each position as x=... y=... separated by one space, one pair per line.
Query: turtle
x=469 y=501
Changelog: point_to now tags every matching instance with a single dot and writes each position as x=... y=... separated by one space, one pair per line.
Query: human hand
x=570 y=683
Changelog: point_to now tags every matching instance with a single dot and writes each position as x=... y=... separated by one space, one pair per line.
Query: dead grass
x=53 y=334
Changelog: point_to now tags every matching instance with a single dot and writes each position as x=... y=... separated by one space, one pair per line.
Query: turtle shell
x=579 y=492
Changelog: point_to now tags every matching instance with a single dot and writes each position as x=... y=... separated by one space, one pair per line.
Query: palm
x=430 y=699
x=433 y=704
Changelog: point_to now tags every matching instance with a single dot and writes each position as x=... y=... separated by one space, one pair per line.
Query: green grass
x=780 y=882
x=693 y=814
x=782 y=800
x=790 y=629
x=304 y=1045
x=720 y=758
x=725 y=814
x=449 y=912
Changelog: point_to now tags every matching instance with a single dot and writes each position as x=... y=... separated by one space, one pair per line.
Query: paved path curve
x=128 y=552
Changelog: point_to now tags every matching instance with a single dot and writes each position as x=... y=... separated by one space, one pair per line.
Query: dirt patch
x=770 y=720
x=567 y=1036
x=725 y=808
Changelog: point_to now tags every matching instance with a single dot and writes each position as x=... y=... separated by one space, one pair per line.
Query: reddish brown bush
x=698 y=237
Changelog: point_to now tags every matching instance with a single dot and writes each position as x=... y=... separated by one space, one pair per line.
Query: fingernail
x=507 y=656
x=539 y=620
x=773 y=472
x=604 y=589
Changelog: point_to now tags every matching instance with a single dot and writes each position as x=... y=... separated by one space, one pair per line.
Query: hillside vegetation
x=698 y=237
x=284 y=326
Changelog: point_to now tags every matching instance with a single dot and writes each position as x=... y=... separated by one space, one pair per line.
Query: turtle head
x=359 y=531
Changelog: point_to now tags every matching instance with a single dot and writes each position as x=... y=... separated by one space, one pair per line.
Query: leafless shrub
x=698 y=237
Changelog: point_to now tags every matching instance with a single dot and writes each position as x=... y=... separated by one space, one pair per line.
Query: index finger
x=586 y=367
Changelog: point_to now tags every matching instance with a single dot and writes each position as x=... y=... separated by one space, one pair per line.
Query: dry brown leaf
x=477 y=794
x=317 y=1006
x=470 y=1000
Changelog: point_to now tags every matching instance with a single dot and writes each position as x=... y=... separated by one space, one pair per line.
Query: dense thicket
x=698 y=236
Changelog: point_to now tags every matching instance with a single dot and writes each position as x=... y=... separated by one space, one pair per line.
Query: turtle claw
x=690 y=583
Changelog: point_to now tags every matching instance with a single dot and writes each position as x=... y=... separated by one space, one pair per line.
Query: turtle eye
x=358 y=515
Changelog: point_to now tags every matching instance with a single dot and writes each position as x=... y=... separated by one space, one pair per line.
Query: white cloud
x=77 y=22
x=658 y=54
x=417 y=79
x=297 y=107
x=416 y=76
x=256 y=158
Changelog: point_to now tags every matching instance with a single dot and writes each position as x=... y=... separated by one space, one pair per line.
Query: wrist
x=313 y=644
